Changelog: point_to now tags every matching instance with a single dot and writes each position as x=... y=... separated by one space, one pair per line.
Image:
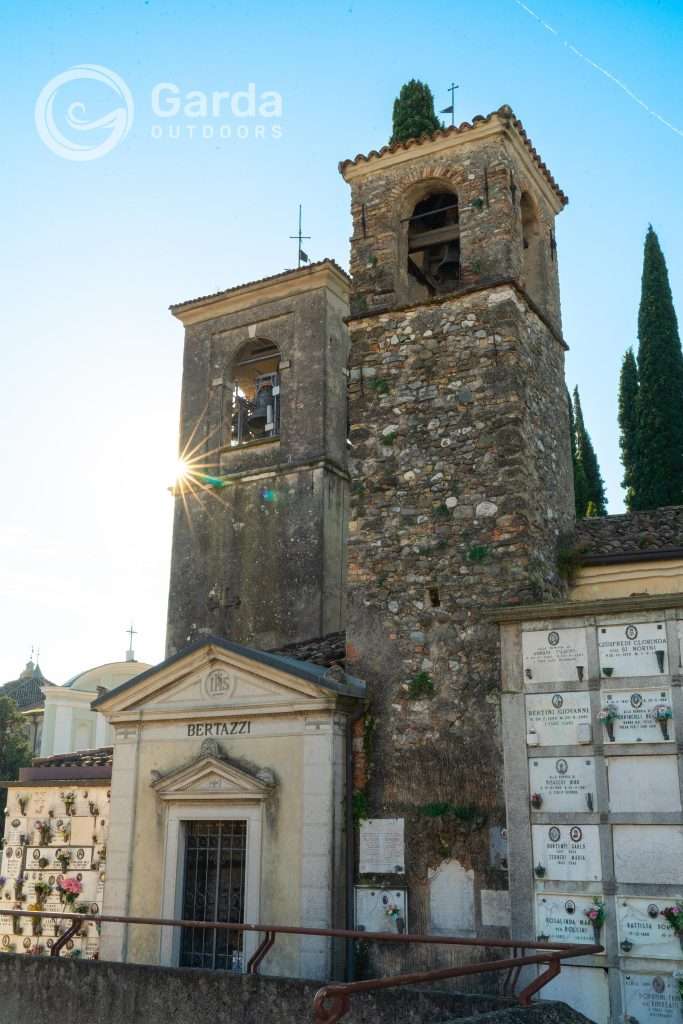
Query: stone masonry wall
x=262 y=559
x=461 y=483
x=37 y=991
x=489 y=182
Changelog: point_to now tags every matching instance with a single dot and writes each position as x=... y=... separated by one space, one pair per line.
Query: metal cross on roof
x=302 y=257
x=131 y=633
x=451 y=109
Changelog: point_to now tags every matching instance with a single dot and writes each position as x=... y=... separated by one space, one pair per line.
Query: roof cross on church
x=451 y=108
x=130 y=653
x=302 y=257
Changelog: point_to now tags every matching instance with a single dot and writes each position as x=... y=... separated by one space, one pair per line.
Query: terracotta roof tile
x=326 y=650
x=505 y=113
x=77 y=759
x=656 y=532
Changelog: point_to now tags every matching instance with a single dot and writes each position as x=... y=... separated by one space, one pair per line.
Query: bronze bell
x=449 y=267
x=258 y=416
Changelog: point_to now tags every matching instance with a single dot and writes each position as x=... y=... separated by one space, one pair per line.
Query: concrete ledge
x=38 y=990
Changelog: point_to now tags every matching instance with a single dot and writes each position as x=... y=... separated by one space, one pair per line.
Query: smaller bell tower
x=258 y=549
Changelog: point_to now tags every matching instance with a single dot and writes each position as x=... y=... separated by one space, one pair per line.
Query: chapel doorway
x=213 y=890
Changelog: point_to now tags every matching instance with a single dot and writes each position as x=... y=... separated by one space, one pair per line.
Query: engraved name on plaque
x=635 y=649
x=638 y=716
x=554 y=655
x=568 y=853
x=644 y=932
x=563 y=784
x=561 y=917
x=651 y=998
x=553 y=719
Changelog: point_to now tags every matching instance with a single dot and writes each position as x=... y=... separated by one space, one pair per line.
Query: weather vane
x=302 y=257
x=451 y=109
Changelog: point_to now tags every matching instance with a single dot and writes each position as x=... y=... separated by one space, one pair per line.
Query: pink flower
x=70 y=885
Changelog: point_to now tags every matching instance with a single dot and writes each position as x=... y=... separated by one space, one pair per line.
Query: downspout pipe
x=350 y=840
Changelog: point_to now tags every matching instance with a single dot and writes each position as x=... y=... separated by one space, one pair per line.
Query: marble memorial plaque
x=14 y=861
x=563 y=784
x=15 y=828
x=568 y=853
x=554 y=655
x=651 y=998
x=90 y=885
x=635 y=649
x=81 y=857
x=648 y=854
x=82 y=831
x=643 y=784
x=380 y=910
x=553 y=719
x=643 y=931
x=561 y=917
x=636 y=712
x=382 y=849
x=584 y=988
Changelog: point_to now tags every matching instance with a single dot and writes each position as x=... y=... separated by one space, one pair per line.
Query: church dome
x=107 y=676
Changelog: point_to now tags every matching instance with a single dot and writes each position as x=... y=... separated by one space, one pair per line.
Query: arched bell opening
x=256 y=393
x=533 y=257
x=434 y=242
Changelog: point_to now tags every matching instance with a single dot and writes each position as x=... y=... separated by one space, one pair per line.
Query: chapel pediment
x=220 y=674
x=213 y=776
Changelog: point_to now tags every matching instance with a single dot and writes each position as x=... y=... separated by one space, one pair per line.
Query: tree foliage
x=657 y=479
x=414 y=112
x=628 y=423
x=594 y=495
x=15 y=751
x=580 y=482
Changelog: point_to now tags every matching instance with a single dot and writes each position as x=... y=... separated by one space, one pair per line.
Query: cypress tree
x=596 y=504
x=580 y=482
x=628 y=422
x=413 y=112
x=658 y=476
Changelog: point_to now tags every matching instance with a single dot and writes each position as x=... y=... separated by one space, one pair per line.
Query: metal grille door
x=215 y=858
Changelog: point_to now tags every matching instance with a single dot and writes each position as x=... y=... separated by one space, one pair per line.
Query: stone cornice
x=500 y=122
x=325 y=274
x=440 y=300
x=576 y=609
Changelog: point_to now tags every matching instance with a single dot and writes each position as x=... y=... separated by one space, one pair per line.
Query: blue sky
x=95 y=251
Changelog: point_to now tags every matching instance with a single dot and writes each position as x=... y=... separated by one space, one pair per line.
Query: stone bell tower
x=461 y=480
x=258 y=554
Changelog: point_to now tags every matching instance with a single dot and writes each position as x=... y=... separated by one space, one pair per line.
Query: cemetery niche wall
x=55 y=852
x=592 y=719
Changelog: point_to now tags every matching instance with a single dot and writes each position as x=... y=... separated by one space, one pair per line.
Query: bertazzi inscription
x=554 y=655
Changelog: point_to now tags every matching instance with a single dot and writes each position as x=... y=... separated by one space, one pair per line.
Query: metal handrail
x=337 y=994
